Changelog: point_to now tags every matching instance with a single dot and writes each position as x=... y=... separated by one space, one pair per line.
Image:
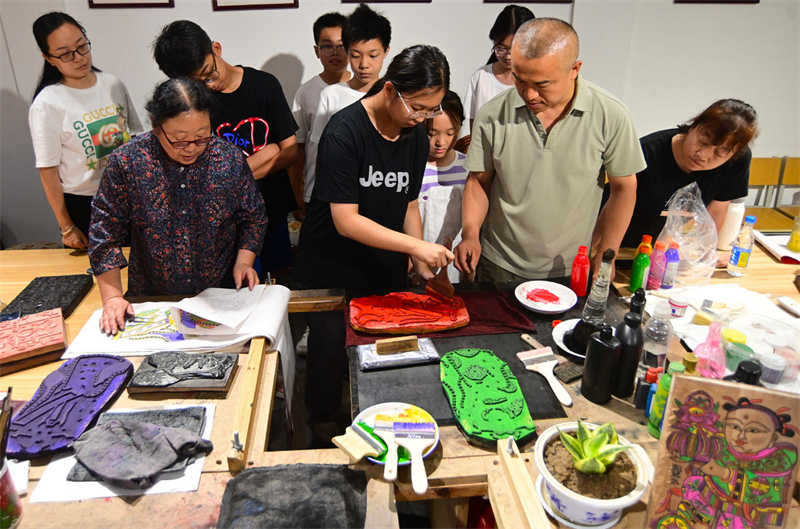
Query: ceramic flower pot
x=582 y=509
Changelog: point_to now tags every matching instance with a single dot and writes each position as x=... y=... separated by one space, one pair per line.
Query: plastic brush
x=357 y=443
x=383 y=427
x=416 y=437
x=440 y=286
x=543 y=361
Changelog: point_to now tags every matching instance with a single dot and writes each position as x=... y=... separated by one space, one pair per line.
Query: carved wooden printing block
x=51 y=292
x=32 y=335
x=406 y=313
x=485 y=397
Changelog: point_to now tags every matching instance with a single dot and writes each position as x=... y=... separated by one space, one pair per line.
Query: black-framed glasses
x=69 y=56
x=500 y=51
x=200 y=142
x=214 y=75
x=417 y=115
x=328 y=49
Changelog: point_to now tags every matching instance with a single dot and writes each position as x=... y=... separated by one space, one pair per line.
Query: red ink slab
x=406 y=313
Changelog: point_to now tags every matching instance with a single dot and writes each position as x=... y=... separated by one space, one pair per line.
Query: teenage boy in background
x=366 y=37
x=331 y=53
x=252 y=114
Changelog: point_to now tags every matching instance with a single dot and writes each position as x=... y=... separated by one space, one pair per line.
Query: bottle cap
x=776 y=340
x=651 y=375
x=633 y=319
x=734 y=336
x=748 y=372
x=606 y=332
x=675 y=367
x=690 y=361
x=661 y=246
x=663 y=311
x=647 y=239
x=583 y=250
x=674 y=245
x=679 y=300
x=750 y=219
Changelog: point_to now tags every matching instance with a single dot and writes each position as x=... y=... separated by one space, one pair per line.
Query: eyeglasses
x=200 y=142
x=417 y=115
x=328 y=49
x=69 y=56
x=500 y=51
x=214 y=75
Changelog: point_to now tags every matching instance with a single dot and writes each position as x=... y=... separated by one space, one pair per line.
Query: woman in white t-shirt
x=79 y=115
x=495 y=77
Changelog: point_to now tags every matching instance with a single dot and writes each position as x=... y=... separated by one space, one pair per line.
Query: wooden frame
x=115 y=4
x=238 y=5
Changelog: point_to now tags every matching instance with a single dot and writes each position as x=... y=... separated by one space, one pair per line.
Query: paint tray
x=370 y=360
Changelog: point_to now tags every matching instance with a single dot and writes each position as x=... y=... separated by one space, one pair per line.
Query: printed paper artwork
x=727 y=458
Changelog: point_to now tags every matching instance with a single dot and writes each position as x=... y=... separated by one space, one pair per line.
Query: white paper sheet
x=19 y=475
x=776 y=245
x=54 y=486
x=226 y=307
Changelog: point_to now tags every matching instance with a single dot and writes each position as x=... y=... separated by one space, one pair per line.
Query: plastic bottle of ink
x=598 y=369
x=643 y=387
x=658 y=265
x=652 y=393
x=742 y=246
x=631 y=340
x=580 y=272
x=671 y=269
x=641 y=268
x=594 y=311
x=647 y=240
x=711 y=356
x=658 y=334
x=638 y=301
x=656 y=417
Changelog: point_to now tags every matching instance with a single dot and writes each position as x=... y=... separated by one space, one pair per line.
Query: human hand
x=300 y=213
x=467 y=255
x=115 y=310
x=75 y=239
x=723 y=258
x=597 y=260
x=462 y=145
x=244 y=275
x=424 y=273
x=432 y=254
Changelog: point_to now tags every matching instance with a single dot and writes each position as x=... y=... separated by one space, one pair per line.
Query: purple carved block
x=67 y=401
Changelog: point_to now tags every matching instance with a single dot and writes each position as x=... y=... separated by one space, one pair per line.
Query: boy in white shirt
x=331 y=53
x=366 y=37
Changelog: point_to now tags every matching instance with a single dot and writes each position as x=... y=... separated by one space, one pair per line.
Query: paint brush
x=6 y=411
x=439 y=286
x=357 y=443
x=542 y=360
x=416 y=437
x=383 y=427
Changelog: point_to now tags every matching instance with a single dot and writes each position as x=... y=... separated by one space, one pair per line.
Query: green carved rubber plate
x=485 y=398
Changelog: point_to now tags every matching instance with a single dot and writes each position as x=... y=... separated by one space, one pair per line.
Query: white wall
x=666 y=61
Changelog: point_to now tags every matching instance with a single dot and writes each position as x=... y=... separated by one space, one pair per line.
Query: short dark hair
x=176 y=96
x=328 y=20
x=726 y=120
x=451 y=105
x=181 y=48
x=507 y=23
x=414 y=69
x=365 y=24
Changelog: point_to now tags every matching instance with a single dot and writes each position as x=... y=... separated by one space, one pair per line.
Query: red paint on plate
x=541 y=295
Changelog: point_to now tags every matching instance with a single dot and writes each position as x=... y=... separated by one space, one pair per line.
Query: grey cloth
x=192 y=419
x=295 y=496
x=132 y=454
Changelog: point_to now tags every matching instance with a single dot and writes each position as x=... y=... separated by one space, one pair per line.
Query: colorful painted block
x=406 y=313
x=32 y=335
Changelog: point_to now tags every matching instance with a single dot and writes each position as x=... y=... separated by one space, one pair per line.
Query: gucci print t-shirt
x=252 y=116
x=76 y=129
x=356 y=165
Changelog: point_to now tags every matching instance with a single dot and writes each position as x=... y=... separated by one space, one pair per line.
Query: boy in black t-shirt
x=252 y=114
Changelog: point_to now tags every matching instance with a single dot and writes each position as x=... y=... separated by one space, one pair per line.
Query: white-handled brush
x=416 y=437
x=383 y=427
x=357 y=443
x=543 y=361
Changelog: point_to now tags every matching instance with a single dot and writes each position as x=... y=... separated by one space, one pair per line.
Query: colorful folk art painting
x=154 y=323
x=727 y=458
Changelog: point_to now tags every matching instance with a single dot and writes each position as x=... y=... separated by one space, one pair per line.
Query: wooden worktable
x=456 y=469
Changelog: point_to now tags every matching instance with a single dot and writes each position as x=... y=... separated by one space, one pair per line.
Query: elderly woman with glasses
x=188 y=200
x=79 y=115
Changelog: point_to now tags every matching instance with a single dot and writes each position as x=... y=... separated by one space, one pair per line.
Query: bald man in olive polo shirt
x=537 y=163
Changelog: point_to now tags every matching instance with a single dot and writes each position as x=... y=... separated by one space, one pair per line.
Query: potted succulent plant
x=590 y=473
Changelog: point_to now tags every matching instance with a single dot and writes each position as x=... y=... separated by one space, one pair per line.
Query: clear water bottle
x=742 y=246
x=657 y=336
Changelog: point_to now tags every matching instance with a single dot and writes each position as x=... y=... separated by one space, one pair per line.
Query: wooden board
x=32 y=335
x=246 y=408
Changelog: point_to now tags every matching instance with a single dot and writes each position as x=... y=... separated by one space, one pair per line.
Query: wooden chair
x=791 y=177
x=766 y=174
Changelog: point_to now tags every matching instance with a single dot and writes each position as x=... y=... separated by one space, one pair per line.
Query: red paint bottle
x=580 y=272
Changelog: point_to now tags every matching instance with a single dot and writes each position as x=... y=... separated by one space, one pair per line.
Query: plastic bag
x=690 y=224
